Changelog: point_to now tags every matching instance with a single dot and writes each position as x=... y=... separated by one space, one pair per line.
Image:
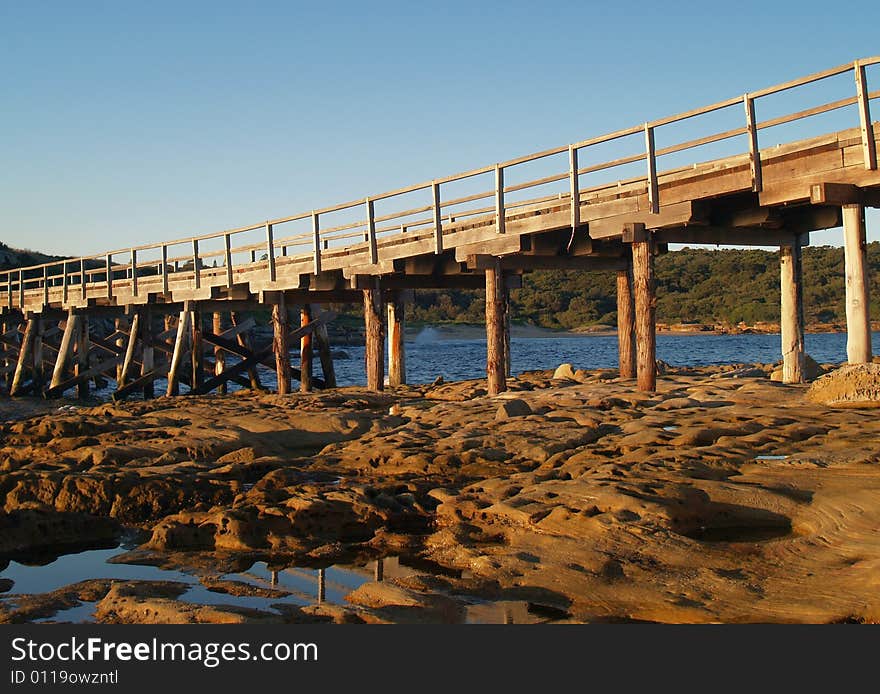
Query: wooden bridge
x=480 y=229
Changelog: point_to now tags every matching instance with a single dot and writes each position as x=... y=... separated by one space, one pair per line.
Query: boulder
x=812 y=370
x=850 y=384
x=513 y=408
x=564 y=372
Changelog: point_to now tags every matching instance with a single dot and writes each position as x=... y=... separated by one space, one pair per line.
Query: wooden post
x=71 y=329
x=245 y=341
x=219 y=353
x=396 y=345
x=305 y=351
x=121 y=324
x=39 y=376
x=322 y=341
x=626 y=322
x=196 y=353
x=495 y=367
x=374 y=330
x=508 y=372
x=24 y=355
x=123 y=372
x=82 y=356
x=792 y=312
x=858 y=324
x=147 y=357
x=645 y=306
x=177 y=355
x=280 y=344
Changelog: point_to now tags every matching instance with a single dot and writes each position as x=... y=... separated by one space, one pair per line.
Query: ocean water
x=429 y=355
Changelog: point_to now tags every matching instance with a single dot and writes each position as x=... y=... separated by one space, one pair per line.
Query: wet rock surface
x=725 y=496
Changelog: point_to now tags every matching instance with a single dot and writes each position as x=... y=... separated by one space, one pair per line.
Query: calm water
x=428 y=357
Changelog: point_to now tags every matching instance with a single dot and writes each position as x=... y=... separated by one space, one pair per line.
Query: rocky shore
x=724 y=497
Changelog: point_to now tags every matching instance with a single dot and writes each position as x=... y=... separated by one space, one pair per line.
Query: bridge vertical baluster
x=227 y=258
x=371 y=232
x=108 y=268
x=651 y=159
x=869 y=149
x=270 y=251
x=134 y=273
x=438 y=222
x=21 y=290
x=574 y=187
x=197 y=272
x=82 y=278
x=316 y=242
x=499 y=199
x=754 y=152
x=45 y=285
x=164 y=269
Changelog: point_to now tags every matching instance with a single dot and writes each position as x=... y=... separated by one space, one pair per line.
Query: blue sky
x=126 y=123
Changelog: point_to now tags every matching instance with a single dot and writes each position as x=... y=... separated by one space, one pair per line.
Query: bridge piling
x=322 y=341
x=24 y=357
x=396 y=345
x=177 y=355
x=147 y=354
x=496 y=369
x=196 y=348
x=244 y=341
x=305 y=351
x=281 y=345
x=792 y=311
x=644 y=288
x=82 y=356
x=219 y=353
x=626 y=346
x=858 y=324
x=374 y=332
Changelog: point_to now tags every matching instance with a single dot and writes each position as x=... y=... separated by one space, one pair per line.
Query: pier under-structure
x=184 y=310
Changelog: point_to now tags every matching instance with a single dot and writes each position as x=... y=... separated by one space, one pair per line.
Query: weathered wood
x=82 y=357
x=645 y=308
x=71 y=330
x=792 y=313
x=39 y=375
x=626 y=346
x=508 y=369
x=496 y=369
x=122 y=373
x=25 y=357
x=280 y=345
x=245 y=341
x=121 y=325
x=396 y=343
x=258 y=356
x=858 y=326
x=374 y=332
x=219 y=353
x=177 y=356
x=322 y=342
x=305 y=351
x=196 y=353
x=147 y=351
x=84 y=376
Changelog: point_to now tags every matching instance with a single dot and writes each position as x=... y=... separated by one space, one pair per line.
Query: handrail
x=18 y=282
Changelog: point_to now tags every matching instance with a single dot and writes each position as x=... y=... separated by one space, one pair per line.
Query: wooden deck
x=770 y=196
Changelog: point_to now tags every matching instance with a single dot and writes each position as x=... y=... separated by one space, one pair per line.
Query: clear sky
x=124 y=123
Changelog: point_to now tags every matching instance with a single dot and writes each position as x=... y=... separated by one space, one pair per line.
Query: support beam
x=39 y=375
x=71 y=330
x=374 y=330
x=626 y=317
x=196 y=353
x=122 y=373
x=24 y=357
x=322 y=342
x=147 y=353
x=244 y=340
x=644 y=288
x=281 y=345
x=82 y=357
x=305 y=351
x=792 y=313
x=121 y=325
x=858 y=324
x=396 y=344
x=219 y=353
x=496 y=369
x=177 y=356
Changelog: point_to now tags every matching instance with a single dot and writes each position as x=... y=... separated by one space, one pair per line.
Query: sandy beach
x=724 y=497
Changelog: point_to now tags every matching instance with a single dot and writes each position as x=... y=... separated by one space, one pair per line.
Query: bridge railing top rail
x=363 y=232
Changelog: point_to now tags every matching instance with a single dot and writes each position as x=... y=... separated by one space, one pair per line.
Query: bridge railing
x=122 y=269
